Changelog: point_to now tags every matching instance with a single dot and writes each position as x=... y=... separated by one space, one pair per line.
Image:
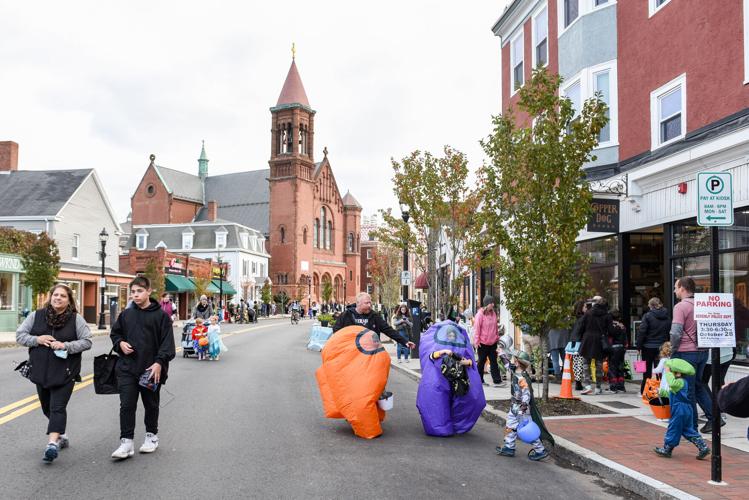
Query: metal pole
x=102 y=325
x=309 y=296
x=716 y=474
x=220 y=290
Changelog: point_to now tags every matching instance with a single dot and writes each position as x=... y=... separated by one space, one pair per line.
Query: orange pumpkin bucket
x=660 y=410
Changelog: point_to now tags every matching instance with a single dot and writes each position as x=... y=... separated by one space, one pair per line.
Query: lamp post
x=220 y=288
x=103 y=236
x=309 y=292
x=405 y=217
x=344 y=293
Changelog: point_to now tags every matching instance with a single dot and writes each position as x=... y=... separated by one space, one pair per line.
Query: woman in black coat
x=56 y=335
x=596 y=325
x=652 y=333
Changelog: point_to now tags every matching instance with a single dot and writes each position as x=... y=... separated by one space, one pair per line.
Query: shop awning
x=227 y=288
x=176 y=283
x=422 y=282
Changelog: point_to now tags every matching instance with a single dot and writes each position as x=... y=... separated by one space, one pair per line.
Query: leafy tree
x=155 y=273
x=283 y=299
x=202 y=281
x=385 y=268
x=327 y=290
x=440 y=205
x=535 y=200
x=41 y=262
x=265 y=294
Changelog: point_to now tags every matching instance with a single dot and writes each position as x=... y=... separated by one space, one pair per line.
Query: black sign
x=605 y=216
x=175 y=270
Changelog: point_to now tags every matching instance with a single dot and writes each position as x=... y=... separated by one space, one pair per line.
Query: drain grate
x=618 y=404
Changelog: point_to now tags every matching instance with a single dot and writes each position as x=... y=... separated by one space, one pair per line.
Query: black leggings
x=490 y=352
x=650 y=355
x=54 y=403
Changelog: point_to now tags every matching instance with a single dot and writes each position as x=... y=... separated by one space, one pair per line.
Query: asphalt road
x=251 y=426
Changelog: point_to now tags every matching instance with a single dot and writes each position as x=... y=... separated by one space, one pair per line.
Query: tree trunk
x=545 y=363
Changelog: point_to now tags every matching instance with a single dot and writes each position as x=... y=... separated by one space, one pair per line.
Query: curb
x=592 y=462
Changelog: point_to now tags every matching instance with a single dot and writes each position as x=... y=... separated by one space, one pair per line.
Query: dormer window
x=221 y=237
x=187 y=241
x=245 y=240
x=141 y=241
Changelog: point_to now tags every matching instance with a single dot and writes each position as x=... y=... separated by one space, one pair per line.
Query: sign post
x=715 y=208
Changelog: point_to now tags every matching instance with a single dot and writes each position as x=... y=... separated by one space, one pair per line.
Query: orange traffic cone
x=566 y=391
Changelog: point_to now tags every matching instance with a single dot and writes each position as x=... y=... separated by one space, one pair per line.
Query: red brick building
x=313 y=231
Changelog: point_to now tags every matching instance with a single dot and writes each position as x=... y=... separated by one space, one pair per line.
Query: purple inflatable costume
x=443 y=413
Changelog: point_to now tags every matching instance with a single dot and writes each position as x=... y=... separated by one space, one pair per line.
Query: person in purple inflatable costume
x=443 y=413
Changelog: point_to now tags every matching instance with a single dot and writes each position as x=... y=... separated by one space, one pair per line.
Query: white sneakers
x=150 y=443
x=126 y=449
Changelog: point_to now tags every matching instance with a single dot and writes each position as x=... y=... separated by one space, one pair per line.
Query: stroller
x=187 y=348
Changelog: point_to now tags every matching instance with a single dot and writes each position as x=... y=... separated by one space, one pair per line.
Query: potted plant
x=325 y=318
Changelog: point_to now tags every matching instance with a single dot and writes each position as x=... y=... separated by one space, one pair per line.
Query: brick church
x=312 y=231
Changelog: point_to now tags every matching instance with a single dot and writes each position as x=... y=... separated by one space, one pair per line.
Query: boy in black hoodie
x=143 y=337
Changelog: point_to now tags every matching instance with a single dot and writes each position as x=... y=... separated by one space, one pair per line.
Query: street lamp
x=405 y=217
x=344 y=293
x=309 y=291
x=103 y=236
x=220 y=288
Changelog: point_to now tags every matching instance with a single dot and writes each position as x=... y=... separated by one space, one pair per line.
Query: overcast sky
x=92 y=84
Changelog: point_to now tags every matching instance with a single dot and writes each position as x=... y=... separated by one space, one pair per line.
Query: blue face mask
x=61 y=353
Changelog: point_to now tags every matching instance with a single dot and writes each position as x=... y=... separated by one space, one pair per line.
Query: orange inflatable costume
x=353 y=374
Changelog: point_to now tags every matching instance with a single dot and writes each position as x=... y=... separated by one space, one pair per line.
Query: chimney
x=212 y=211
x=8 y=156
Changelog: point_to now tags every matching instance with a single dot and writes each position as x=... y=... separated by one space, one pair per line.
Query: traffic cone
x=566 y=391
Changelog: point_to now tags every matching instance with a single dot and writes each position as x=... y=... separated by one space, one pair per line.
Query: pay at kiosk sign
x=714 y=315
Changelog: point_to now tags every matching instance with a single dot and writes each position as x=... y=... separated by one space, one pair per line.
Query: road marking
x=85 y=382
x=32 y=402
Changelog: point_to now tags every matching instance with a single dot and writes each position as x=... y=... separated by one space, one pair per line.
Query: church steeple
x=203 y=163
x=293 y=123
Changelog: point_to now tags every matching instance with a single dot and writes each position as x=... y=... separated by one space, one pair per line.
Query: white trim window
x=76 y=246
x=656 y=5
x=369 y=253
x=141 y=241
x=517 y=48
x=220 y=239
x=570 y=12
x=187 y=239
x=668 y=112
x=541 y=37
x=601 y=78
x=602 y=83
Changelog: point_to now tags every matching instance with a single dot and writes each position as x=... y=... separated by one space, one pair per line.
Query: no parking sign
x=713 y=313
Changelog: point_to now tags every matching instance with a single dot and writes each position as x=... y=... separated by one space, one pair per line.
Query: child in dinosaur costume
x=522 y=403
x=682 y=419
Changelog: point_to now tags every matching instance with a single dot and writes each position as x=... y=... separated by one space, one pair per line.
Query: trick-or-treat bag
x=354 y=371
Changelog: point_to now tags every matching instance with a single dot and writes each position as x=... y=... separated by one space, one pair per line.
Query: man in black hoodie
x=363 y=315
x=143 y=337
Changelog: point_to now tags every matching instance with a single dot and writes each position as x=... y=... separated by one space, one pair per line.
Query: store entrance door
x=646 y=274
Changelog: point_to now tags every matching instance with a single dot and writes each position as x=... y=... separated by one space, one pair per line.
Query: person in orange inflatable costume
x=352 y=377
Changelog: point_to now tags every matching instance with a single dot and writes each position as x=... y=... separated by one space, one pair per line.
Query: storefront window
x=734 y=278
x=6 y=292
x=736 y=236
x=689 y=238
x=696 y=267
x=603 y=271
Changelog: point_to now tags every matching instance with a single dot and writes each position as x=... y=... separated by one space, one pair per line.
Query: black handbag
x=24 y=369
x=105 y=378
x=455 y=374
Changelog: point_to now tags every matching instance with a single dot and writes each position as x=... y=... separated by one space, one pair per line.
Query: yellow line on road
x=31 y=403
x=86 y=381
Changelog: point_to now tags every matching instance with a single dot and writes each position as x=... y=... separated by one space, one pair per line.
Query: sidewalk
x=619 y=446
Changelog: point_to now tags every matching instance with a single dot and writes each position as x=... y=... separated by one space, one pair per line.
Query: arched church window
x=323 y=225
x=329 y=241
x=304 y=235
x=350 y=242
x=316 y=233
x=283 y=235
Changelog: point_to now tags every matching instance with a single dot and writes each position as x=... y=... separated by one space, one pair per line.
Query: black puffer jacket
x=596 y=324
x=372 y=320
x=654 y=329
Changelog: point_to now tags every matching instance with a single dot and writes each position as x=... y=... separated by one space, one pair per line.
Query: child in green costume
x=681 y=422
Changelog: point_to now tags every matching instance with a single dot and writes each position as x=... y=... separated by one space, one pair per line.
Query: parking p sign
x=714 y=199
